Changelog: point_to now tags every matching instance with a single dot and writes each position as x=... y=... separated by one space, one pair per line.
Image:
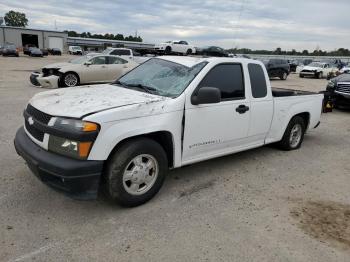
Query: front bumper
x=38 y=79
x=78 y=179
x=308 y=73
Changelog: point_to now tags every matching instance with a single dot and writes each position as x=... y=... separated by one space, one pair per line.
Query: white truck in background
x=75 y=50
x=168 y=112
x=126 y=53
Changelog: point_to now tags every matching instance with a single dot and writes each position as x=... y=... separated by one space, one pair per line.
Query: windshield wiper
x=148 y=89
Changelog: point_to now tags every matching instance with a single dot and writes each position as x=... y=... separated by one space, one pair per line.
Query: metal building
x=94 y=44
x=26 y=36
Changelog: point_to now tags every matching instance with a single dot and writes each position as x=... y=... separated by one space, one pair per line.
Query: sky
x=263 y=24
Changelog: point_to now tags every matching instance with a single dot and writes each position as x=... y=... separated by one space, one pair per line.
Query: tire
x=189 y=52
x=295 y=128
x=130 y=192
x=167 y=50
x=301 y=76
x=283 y=75
x=67 y=79
x=319 y=75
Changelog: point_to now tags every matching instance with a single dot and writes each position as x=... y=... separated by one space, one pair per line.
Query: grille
x=38 y=115
x=307 y=71
x=36 y=133
x=344 y=88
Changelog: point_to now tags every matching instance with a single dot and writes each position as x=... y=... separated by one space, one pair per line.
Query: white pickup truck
x=166 y=113
x=126 y=53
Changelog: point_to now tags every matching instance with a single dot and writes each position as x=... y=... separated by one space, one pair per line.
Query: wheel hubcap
x=70 y=80
x=140 y=174
x=295 y=135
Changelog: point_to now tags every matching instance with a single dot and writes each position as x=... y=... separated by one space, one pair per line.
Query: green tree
x=13 y=18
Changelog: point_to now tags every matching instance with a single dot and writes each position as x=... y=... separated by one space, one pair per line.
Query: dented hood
x=58 y=65
x=77 y=102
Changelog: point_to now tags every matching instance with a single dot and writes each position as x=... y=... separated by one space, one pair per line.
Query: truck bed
x=281 y=92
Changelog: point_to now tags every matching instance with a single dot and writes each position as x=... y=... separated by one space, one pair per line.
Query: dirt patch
x=197 y=188
x=328 y=222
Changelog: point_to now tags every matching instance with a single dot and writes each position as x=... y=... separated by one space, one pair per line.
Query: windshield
x=161 y=77
x=80 y=60
x=106 y=51
x=315 y=64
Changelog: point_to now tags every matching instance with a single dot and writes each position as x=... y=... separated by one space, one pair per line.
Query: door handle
x=242 y=109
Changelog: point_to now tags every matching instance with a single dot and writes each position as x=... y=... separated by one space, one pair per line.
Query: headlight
x=331 y=84
x=71 y=139
x=75 y=125
x=70 y=148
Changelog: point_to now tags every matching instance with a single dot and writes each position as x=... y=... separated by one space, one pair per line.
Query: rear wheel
x=294 y=134
x=136 y=172
x=283 y=75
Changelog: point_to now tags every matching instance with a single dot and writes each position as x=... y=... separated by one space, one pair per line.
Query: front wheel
x=167 y=50
x=294 y=134
x=136 y=172
x=320 y=75
x=70 y=80
x=189 y=52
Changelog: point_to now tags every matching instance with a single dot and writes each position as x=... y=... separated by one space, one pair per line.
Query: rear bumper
x=78 y=179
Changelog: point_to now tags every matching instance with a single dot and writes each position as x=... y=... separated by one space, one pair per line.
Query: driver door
x=217 y=129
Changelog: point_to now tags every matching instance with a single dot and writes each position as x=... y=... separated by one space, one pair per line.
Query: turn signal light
x=88 y=127
x=84 y=149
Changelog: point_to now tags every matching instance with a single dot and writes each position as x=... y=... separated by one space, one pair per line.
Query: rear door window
x=116 y=60
x=99 y=60
x=257 y=80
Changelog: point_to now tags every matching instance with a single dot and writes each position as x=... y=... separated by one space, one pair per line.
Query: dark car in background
x=293 y=64
x=339 y=90
x=45 y=51
x=55 y=51
x=35 y=52
x=211 y=51
x=10 y=50
x=277 y=68
x=26 y=49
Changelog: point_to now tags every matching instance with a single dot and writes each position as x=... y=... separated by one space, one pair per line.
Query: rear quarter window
x=257 y=80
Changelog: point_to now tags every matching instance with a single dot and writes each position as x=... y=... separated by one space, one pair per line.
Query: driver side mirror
x=87 y=63
x=206 y=95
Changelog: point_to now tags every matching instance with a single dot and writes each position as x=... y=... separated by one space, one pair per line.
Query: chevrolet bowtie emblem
x=30 y=120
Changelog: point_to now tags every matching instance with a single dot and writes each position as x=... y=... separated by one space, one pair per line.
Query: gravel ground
x=259 y=205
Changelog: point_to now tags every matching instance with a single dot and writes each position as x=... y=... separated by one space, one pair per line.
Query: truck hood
x=312 y=68
x=77 y=102
x=342 y=78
